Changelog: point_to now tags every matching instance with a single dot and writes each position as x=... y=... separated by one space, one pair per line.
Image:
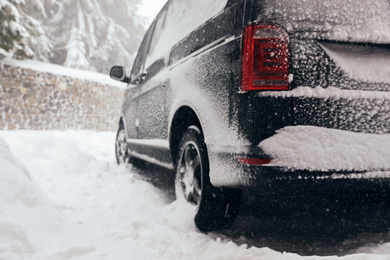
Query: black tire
x=216 y=207
x=122 y=152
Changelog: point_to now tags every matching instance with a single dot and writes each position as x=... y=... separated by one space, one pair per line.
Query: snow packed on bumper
x=321 y=149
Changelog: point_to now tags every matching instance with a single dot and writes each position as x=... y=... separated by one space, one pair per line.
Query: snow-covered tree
x=33 y=13
x=76 y=51
x=93 y=34
x=97 y=36
x=13 y=35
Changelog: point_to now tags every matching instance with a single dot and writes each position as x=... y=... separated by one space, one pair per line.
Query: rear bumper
x=314 y=135
x=274 y=179
x=279 y=180
x=306 y=156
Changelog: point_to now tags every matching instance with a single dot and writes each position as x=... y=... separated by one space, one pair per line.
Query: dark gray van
x=263 y=94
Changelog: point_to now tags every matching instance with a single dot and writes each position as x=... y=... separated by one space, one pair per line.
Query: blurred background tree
x=91 y=35
x=13 y=35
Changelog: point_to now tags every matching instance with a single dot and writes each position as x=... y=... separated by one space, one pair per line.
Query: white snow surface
x=323 y=149
x=61 y=70
x=73 y=202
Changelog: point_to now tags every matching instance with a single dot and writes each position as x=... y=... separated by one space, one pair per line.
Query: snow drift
x=28 y=221
x=74 y=202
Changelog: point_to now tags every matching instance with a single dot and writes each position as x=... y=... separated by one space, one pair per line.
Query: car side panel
x=129 y=110
x=152 y=111
x=209 y=84
x=198 y=75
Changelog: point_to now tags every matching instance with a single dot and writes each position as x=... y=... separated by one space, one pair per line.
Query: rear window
x=349 y=20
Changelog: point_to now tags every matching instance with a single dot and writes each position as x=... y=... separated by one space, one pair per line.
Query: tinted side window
x=155 y=49
x=142 y=52
x=181 y=18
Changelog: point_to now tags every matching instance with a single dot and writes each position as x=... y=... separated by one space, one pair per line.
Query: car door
x=130 y=106
x=152 y=104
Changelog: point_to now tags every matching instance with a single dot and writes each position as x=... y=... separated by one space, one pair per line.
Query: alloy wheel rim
x=121 y=146
x=190 y=173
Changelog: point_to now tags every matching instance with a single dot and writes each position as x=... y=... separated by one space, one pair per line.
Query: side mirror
x=119 y=73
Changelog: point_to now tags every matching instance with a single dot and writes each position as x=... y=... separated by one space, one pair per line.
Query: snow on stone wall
x=31 y=99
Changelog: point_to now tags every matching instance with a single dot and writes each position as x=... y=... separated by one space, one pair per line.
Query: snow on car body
x=235 y=94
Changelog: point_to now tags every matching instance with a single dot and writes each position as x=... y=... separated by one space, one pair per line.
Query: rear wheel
x=122 y=152
x=216 y=208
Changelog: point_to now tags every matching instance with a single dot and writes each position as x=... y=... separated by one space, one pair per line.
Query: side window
x=178 y=21
x=139 y=62
x=155 y=49
x=185 y=16
x=233 y=2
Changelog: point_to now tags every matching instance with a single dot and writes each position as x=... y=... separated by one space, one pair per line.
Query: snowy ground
x=72 y=201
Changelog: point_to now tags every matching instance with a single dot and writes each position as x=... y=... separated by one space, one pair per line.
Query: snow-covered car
x=276 y=95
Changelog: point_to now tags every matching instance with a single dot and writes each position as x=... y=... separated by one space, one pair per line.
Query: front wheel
x=216 y=208
x=122 y=152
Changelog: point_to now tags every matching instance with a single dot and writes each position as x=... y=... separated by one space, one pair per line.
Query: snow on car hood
x=322 y=149
x=354 y=21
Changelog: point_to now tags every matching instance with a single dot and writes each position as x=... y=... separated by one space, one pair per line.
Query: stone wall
x=43 y=101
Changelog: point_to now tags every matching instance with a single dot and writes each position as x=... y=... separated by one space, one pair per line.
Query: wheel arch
x=121 y=122
x=184 y=117
x=217 y=207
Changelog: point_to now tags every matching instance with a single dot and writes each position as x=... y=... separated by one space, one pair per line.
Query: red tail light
x=254 y=161
x=265 y=58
